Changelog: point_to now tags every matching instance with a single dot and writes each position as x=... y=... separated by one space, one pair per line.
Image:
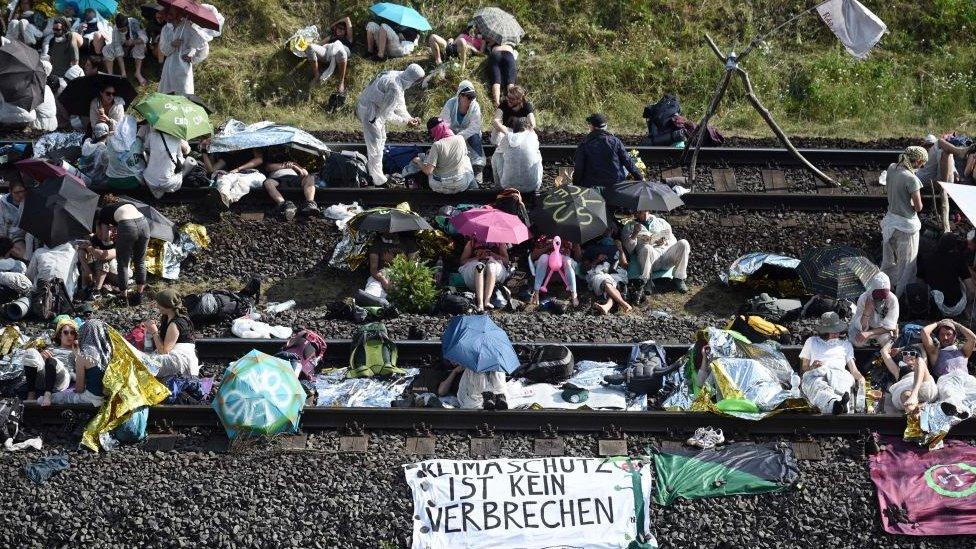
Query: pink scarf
x=441 y=131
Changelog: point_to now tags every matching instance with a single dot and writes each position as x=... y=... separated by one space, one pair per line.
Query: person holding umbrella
x=183 y=45
x=650 y=241
x=397 y=32
x=131 y=242
x=167 y=162
x=602 y=159
x=481 y=354
x=382 y=100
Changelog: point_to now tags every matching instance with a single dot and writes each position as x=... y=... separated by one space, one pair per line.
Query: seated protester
x=123 y=152
x=14 y=284
x=517 y=161
x=463 y=114
x=131 y=242
x=95 y=32
x=10 y=206
x=99 y=260
x=283 y=174
x=829 y=371
x=334 y=52
x=154 y=30
x=447 y=163
x=914 y=383
x=54 y=362
x=94 y=160
x=60 y=48
x=602 y=159
x=539 y=258
x=941 y=166
x=599 y=260
x=381 y=254
x=467 y=43
x=57 y=262
x=25 y=24
x=87 y=357
x=46 y=113
x=107 y=108
x=514 y=106
x=483 y=266
x=173 y=338
x=875 y=320
x=476 y=390
x=651 y=243
x=167 y=162
x=383 y=41
x=948 y=363
x=128 y=39
x=946 y=273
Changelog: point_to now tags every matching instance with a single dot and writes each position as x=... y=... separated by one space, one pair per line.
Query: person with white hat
x=383 y=100
x=875 y=320
x=829 y=371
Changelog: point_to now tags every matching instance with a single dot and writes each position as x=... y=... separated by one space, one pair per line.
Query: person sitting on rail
x=463 y=114
x=900 y=226
x=517 y=161
x=949 y=364
x=11 y=204
x=282 y=173
x=476 y=390
x=383 y=40
x=650 y=241
x=602 y=159
x=334 y=52
x=941 y=166
x=829 y=371
x=875 y=320
x=56 y=375
x=945 y=272
x=539 y=261
x=173 y=339
x=99 y=260
x=914 y=384
x=381 y=254
x=600 y=260
x=86 y=355
x=482 y=267
x=447 y=164
x=514 y=106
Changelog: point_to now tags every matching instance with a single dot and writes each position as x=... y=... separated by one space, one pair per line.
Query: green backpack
x=373 y=352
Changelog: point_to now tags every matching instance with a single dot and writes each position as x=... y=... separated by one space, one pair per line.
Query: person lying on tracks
x=53 y=362
x=945 y=272
x=650 y=241
x=447 y=164
x=829 y=371
x=173 y=339
x=949 y=364
x=283 y=173
x=602 y=158
x=600 y=260
x=914 y=384
x=875 y=320
x=482 y=267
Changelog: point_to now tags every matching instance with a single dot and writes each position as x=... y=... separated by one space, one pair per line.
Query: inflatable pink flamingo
x=555 y=265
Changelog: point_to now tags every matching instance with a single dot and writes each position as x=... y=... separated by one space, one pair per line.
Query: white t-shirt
x=834 y=353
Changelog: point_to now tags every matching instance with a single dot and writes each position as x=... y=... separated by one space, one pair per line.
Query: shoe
x=681 y=286
x=840 y=406
x=309 y=208
x=287 y=210
x=706 y=437
x=489 y=400
x=871 y=446
x=252 y=289
x=501 y=403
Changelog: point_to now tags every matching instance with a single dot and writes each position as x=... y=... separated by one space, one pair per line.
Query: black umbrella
x=642 y=196
x=77 y=95
x=840 y=272
x=59 y=210
x=160 y=226
x=388 y=221
x=22 y=77
x=576 y=214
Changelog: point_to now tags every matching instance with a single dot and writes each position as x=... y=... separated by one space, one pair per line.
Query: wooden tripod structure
x=732 y=68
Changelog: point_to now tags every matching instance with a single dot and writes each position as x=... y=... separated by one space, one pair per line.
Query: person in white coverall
x=383 y=101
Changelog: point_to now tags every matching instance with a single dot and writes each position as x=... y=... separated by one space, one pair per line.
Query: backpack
x=646 y=370
x=454 y=304
x=196 y=178
x=11 y=412
x=916 y=302
x=216 y=306
x=50 y=299
x=660 y=127
x=398 y=157
x=373 y=352
x=548 y=364
x=758 y=330
x=345 y=169
x=305 y=347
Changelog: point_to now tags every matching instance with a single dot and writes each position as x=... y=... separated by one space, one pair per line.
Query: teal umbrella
x=105 y=8
x=259 y=395
x=404 y=16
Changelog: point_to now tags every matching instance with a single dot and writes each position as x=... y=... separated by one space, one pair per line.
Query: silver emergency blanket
x=335 y=390
x=933 y=424
x=748 y=379
x=51 y=145
x=747 y=265
x=236 y=136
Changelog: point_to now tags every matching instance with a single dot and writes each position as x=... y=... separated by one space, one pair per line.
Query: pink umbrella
x=40 y=170
x=491 y=226
x=194 y=12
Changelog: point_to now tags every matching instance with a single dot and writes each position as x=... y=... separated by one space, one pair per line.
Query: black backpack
x=345 y=169
x=548 y=364
x=229 y=306
x=660 y=127
x=454 y=304
x=50 y=299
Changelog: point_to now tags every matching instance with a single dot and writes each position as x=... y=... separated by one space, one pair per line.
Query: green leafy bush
x=412 y=287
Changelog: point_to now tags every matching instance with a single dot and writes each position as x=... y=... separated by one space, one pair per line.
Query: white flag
x=857 y=27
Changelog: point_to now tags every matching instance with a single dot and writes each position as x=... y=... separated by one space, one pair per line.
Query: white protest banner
x=857 y=27
x=558 y=502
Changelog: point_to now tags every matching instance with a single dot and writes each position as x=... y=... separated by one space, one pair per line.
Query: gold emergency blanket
x=163 y=258
x=128 y=385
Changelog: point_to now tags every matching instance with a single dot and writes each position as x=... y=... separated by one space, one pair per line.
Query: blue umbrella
x=404 y=16
x=105 y=8
x=478 y=344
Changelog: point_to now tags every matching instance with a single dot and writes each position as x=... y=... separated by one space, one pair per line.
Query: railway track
x=318 y=418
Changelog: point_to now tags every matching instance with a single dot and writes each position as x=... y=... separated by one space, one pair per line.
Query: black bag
x=229 y=306
x=916 y=302
x=196 y=178
x=660 y=125
x=336 y=101
x=769 y=308
x=50 y=299
x=346 y=169
x=646 y=370
x=454 y=304
x=11 y=412
x=548 y=364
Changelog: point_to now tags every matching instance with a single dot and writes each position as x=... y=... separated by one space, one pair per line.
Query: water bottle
x=280 y=307
x=148 y=345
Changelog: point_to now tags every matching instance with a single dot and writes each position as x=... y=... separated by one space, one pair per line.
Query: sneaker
x=309 y=208
x=501 y=403
x=287 y=210
x=489 y=400
x=697 y=438
x=706 y=437
x=681 y=286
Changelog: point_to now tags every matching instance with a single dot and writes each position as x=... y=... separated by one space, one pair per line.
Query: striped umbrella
x=840 y=272
x=498 y=25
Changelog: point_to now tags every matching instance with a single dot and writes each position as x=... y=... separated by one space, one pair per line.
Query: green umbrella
x=175 y=115
x=259 y=395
